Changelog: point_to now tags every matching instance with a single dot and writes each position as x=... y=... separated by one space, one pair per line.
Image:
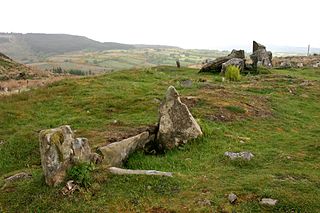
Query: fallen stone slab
x=115 y=154
x=18 y=176
x=243 y=155
x=119 y=171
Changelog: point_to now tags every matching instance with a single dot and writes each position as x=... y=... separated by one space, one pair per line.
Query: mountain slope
x=34 y=46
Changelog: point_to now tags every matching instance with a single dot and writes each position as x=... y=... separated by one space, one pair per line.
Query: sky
x=194 y=24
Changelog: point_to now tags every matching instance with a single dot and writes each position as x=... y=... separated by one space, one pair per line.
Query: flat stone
x=235 y=155
x=268 y=201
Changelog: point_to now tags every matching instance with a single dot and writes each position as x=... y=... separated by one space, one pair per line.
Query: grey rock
x=268 y=201
x=81 y=150
x=115 y=154
x=56 y=152
x=176 y=124
x=18 y=176
x=59 y=151
x=232 y=198
x=261 y=55
x=186 y=83
x=238 y=62
x=235 y=155
x=216 y=65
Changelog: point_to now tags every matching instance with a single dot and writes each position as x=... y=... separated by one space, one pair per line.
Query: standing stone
x=59 y=151
x=176 y=125
x=55 y=150
x=260 y=55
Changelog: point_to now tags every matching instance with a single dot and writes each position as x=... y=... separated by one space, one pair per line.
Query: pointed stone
x=176 y=125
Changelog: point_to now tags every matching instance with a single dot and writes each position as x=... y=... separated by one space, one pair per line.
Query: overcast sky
x=206 y=24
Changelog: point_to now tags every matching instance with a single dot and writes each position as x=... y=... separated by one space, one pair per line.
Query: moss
x=57 y=139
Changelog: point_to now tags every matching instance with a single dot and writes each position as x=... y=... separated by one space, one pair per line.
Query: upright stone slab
x=59 y=151
x=176 y=124
x=56 y=151
x=260 y=55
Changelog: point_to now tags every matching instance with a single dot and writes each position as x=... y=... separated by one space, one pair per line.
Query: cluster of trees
x=59 y=70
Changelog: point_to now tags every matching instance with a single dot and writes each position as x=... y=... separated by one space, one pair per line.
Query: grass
x=285 y=142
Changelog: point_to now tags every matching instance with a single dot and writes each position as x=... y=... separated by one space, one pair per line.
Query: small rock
x=70 y=188
x=268 y=201
x=232 y=198
x=186 y=83
x=300 y=65
x=243 y=155
x=2 y=142
x=18 y=176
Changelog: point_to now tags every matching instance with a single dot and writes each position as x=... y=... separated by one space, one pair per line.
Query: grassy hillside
x=10 y=69
x=275 y=116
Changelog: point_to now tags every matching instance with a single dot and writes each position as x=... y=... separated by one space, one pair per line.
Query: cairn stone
x=176 y=124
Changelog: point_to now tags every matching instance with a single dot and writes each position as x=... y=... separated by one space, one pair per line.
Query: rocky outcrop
x=216 y=65
x=59 y=151
x=260 y=55
x=238 y=62
x=176 y=124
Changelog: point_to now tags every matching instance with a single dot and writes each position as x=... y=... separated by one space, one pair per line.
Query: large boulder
x=216 y=65
x=59 y=151
x=176 y=124
x=260 y=55
x=238 y=62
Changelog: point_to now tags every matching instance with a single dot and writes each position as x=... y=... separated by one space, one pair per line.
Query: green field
x=114 y=60
x=274 y=116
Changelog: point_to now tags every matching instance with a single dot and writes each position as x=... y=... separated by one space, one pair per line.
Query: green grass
x=285 y=143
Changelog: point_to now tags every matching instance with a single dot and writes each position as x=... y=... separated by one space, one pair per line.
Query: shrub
x=81 y=174
x=233 y=73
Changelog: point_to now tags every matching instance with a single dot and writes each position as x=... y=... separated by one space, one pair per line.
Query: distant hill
x=151 y=46
x=34 y=46
x=10 y=69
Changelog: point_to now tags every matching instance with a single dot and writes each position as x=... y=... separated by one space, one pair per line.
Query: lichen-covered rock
x=115 y=154
x=176 y=124
x=55 y=150
x=59 y=150
x=238 y=62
